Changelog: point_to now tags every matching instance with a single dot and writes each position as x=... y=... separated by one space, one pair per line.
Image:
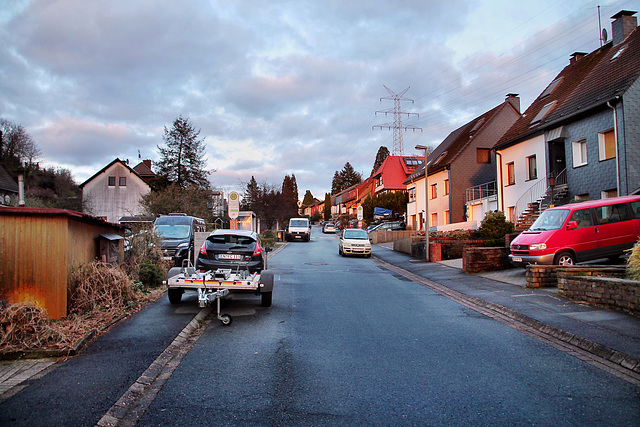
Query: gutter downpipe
x=615 y=138
x=501 y=198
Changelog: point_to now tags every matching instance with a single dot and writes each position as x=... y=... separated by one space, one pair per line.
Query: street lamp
x=426 y=198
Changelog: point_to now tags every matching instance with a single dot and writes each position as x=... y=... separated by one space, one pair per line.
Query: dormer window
x=543 y=112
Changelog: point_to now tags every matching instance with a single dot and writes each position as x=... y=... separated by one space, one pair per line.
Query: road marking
x=137 y=399
x=612 y=361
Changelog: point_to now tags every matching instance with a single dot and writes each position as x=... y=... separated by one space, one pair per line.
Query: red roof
x=395 y=169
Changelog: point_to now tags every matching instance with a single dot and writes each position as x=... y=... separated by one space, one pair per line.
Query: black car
x=235 y=249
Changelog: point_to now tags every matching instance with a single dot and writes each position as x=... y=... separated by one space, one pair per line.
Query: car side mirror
x=572 y=225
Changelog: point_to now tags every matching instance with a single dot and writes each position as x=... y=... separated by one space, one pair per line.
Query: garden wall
x=475 y=260
x=604 y=287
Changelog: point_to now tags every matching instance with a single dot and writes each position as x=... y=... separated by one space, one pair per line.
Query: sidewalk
x=613 y=329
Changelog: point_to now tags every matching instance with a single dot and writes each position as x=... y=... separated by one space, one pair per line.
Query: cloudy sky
x=276 y=87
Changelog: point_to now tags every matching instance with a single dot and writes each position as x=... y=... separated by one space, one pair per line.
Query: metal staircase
x=535 y=200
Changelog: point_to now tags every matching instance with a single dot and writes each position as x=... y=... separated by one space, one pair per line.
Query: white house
x=114 y=191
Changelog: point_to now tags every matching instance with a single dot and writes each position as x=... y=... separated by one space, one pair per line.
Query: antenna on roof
x=603 y=33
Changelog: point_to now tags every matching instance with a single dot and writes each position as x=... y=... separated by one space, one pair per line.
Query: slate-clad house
x=580 y=139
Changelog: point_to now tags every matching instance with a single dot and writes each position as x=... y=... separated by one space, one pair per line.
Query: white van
x=299 y=229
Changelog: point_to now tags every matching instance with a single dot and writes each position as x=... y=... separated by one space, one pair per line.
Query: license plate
x=517 y=259
x=229 y=256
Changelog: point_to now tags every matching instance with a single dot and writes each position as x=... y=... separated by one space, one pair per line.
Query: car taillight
x=203 y=248
x=258 y=250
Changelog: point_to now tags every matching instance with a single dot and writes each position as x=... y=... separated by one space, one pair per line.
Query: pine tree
x=182 y=161
x=327 y=206
x=383 y=153
x=344 y=179
x=308 y=199
x=252 y=196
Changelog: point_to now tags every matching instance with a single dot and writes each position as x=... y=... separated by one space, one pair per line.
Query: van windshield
x=171 y=231
x=550 y=220
x=298 y=223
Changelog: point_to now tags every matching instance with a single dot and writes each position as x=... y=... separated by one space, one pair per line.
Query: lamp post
x=426 y=198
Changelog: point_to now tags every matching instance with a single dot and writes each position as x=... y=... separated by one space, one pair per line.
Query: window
x=483 y=155
x=112 y=181
x=613 y=213
x=446 y=187
x=607 y=194
x=433 y=191
x=122 y=181
x=579 y=153
x=635 y=209
x=511 y=174
x=543 y=112
x=447 y=217
x=551 y=87
x=583 y=218
x=607 y=145
x=412 y=194
x=434 y=220
x=532 y=168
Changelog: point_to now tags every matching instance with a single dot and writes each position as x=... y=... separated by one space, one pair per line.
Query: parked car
x=329 y=227
x=579 y=232
x=354 y=241
x=177 y=233
x=389 y=225
x=235 y=249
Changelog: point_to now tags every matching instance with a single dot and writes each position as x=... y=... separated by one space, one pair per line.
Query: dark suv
x=235 y=249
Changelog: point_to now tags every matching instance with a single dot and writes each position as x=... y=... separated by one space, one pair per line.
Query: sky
x=275 y=87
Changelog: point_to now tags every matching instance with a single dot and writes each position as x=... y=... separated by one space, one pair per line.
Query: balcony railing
x=480 y=192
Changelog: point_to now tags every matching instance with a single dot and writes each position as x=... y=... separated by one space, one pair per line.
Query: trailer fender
x=266 y=281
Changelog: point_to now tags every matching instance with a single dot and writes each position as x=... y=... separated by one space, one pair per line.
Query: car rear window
x=229 y=241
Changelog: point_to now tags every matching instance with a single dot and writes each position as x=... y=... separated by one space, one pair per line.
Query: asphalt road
x=345 y=343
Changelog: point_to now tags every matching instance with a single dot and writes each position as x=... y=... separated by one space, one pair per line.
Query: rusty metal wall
x=37 y=253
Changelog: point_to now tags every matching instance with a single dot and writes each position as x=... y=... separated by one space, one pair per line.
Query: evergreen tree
x=327 y=206
x=251 y=197
x=383 y=153
x=182 y=161
x=308 y=199
x=289 y=196
x=344 y=179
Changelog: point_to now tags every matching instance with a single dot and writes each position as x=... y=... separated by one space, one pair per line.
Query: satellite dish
x=604 y=34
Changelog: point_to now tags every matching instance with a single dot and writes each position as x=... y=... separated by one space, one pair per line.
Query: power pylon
x=397 y=126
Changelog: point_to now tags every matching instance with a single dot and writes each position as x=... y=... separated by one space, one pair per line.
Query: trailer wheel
x=266 y=299
x=175 y=295
x=225 y=319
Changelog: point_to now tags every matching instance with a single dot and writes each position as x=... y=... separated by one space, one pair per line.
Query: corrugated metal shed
x=39 y=248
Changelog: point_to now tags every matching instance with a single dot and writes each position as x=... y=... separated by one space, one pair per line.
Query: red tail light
x=258 y=250
x=203 y=248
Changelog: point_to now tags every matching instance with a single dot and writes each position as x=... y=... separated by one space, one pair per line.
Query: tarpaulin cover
x=382 y=212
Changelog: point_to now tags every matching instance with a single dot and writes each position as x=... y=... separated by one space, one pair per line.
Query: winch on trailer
x=212 y=286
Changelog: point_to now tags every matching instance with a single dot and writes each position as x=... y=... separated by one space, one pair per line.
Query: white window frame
x=579 y=149
x=532 y=172
x=602 y=148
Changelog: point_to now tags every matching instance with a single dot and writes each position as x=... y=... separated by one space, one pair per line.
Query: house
x=114 y=192
x=393 y=171
x=462 y=161
x=8 y=188
x=580 y=138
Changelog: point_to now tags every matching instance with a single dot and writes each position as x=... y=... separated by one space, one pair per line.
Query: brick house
x=463 y=160
x=580 y=139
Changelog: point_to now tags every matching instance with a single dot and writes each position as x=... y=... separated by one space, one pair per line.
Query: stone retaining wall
x=475 y=260
x=591 y=286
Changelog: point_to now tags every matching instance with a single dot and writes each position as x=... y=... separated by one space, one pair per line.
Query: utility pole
x=397 y=126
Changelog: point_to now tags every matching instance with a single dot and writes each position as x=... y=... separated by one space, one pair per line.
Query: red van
x=579 y=232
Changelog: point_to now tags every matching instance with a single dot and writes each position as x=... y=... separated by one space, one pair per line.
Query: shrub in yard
x=97 y=287
x=633 y=263
x=150 y=275
x=494 y=228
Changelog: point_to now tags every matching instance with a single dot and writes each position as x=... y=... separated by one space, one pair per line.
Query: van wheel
x=565 y=258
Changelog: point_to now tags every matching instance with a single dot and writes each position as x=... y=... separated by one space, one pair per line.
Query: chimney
x=624 y=23
x=514 y=99
x=575 y=56
x=147 y=163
